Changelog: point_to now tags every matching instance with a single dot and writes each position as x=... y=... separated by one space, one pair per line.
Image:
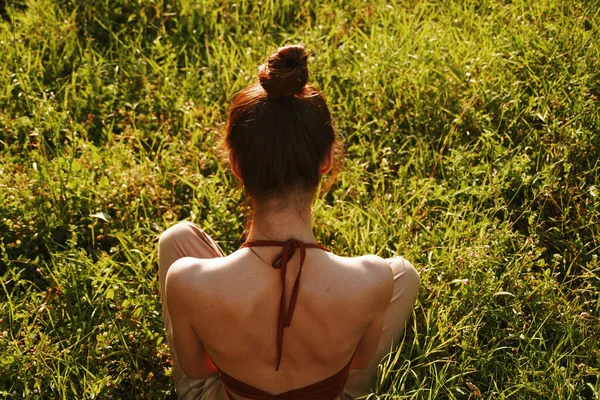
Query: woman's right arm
x=380 y=291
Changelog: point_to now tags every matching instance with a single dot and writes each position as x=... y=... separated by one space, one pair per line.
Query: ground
x=472 y=147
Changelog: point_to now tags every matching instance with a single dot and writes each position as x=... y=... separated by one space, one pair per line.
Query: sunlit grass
x=472 y=148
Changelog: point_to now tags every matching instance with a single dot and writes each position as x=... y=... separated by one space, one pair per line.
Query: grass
x=472 y=134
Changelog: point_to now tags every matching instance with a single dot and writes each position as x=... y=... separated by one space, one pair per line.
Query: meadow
x=472 y=146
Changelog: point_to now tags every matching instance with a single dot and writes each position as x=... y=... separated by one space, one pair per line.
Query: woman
x=282 y=317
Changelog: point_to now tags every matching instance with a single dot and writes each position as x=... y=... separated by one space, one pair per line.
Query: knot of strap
x=290 y=246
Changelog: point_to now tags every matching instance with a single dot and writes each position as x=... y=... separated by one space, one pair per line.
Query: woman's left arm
x=192 y=356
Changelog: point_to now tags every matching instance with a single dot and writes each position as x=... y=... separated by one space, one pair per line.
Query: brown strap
x=284 y=318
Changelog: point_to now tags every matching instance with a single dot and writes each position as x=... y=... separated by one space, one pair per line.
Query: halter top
x=327 y=389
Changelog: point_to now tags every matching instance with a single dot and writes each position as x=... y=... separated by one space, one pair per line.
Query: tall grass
x=472 y=148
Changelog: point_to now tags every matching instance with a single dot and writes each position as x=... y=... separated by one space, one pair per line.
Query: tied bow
x=290 y=246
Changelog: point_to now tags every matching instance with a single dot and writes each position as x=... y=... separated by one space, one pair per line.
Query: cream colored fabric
x=200 y=389
x=188 y=240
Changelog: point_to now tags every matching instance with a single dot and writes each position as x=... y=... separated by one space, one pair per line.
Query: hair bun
x=285 y=73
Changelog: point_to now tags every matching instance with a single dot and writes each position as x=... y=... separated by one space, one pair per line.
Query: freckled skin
x=235 y=303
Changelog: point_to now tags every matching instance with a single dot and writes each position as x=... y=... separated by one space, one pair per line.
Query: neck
x=282 y=221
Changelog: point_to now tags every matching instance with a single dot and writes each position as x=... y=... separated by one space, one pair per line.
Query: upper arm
x=381 y=292
x=192 y=356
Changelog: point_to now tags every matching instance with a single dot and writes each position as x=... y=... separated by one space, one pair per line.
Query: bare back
x=235 y=301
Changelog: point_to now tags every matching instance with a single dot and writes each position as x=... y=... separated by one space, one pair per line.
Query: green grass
x=472 y=134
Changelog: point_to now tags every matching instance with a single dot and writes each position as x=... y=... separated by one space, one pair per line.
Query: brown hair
x=280 y=128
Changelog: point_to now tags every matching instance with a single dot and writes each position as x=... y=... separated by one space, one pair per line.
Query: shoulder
x=372 y=266
x=180 y=278
x=381 y=280
x=182 y=271
x=187 y=278
x=378 y=270
x=375 y=275
x=190 y=276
